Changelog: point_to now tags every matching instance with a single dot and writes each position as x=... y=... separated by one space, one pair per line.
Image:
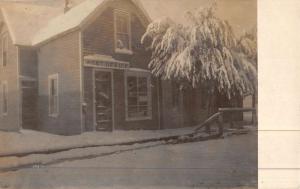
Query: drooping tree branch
x=204 y=53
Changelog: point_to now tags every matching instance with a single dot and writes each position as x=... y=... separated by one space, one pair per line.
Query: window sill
x=124 y=51
x=139 y=119
x=53 y=115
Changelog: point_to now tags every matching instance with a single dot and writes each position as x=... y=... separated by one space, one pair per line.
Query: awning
x=104 y=61
x=27 y=78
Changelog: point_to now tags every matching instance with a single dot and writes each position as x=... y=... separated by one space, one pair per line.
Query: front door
x=29 y=105
x=103 y=100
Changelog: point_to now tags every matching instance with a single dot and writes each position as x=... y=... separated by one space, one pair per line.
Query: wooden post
x=207 y=129
x=254 y=115
x=253 y=106
x=220 y=124
x=232 y=110
x=231 y=120
x=207 y=122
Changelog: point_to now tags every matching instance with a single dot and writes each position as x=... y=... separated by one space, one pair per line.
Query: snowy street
x=128 y=94
x=26 y=141
x=229 y=162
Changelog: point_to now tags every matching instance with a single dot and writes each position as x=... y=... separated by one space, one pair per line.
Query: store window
x=138 y=96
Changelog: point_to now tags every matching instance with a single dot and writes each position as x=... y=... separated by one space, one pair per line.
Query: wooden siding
x=195 y=107
x=190 y=109
x=88 y=99
x=248 y=103
x=61 y=56
x=11 y=121
x=28 y=62
x=172 y=115
x=98 y=38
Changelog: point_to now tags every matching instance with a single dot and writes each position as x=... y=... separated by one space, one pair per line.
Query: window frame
x=4 y=112
x=137 y=74
x=117 y=50
x=4 y=45
x=50 y=78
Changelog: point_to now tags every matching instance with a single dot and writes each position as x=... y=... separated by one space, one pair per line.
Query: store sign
x=106 y=64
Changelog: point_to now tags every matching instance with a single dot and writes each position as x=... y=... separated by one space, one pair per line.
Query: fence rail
x=218 y=117
x=237 y=109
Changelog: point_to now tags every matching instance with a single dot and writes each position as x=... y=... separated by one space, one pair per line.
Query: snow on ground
x=226 y=163
x=28 y=141
x=38 y=160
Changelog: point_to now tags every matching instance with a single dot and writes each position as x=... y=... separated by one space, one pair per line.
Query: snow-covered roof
x=27 y=78
x=68 y=21
x=32 y=24
x=138 y=70
x=104 y=58
x=24 y=20
x=104 y=61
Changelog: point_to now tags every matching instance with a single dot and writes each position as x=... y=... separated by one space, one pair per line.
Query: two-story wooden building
x=84 y=69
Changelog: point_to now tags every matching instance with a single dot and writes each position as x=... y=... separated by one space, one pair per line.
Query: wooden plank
x=210 y=119
x=237 y=109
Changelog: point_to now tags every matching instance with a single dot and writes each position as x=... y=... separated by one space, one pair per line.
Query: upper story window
x=53 y=95
x=4 y=50
x=122 y=32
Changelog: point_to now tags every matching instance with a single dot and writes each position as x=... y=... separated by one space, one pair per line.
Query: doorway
x=29 y=105
x=103 y=100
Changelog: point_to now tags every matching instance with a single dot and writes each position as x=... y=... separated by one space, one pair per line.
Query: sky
x=241 y=14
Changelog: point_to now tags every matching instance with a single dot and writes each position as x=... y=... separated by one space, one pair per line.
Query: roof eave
x=88 y=19
x=10 y=31
x=39 y=43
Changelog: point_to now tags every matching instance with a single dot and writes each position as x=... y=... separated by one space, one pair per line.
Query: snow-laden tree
x=203 y=53
x=247 y=44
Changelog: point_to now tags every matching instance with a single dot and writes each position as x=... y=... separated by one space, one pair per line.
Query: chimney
x=67 y=6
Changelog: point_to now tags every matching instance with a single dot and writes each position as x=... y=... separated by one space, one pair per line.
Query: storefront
x=117 y=96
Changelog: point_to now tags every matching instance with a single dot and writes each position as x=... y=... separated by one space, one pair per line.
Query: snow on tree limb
x=205 y=52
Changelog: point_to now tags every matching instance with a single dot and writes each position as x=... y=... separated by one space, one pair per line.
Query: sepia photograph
x=128 y=94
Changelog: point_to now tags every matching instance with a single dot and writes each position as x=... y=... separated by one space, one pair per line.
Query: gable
x=33 y=24
x=99 y=33
x=81 y=16
x=2 y=22
x=4 y=29
x=128 y=6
